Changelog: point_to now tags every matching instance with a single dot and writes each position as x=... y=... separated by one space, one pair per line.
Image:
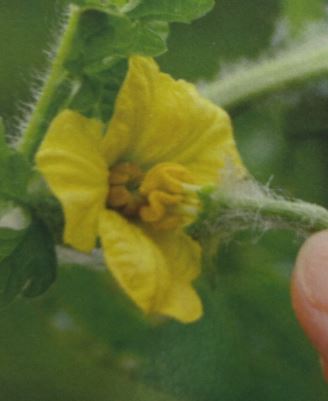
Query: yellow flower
x=129 y=183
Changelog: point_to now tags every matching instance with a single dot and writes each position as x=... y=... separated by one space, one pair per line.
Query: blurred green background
x=83 y=340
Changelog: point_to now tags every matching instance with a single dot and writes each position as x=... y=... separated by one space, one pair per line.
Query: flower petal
x=70 y=159
x=135 y=261
x=183 y=259
x=160 y=119
x=140 y=265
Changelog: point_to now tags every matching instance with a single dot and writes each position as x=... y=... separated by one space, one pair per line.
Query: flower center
x=124 y=183
x=162 y=197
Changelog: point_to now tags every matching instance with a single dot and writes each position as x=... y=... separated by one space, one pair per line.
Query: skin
x=309 y=290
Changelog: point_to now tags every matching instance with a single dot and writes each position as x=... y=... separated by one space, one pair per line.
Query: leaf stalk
x=288 y=68
x=37 y=124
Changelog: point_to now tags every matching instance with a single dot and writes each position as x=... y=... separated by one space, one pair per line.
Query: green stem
x=36 y=126
x=246 y=205
x=295 y=66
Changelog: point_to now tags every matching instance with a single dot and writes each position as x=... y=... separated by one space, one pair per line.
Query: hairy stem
x=247 y=205
x=295 y=66
x=38 y=120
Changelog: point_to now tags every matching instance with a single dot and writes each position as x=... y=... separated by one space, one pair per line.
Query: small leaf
x=109 y=33
x=173 y=10
x=98 y=64
x=97 y=93
x=9 y=240
x=150 y=38
x=14 y=173
x=27 y=262
x=108 y=39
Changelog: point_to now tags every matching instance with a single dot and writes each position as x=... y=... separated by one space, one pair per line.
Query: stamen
x=158 y=203
x=164 y=188
x=118 y=196
x=167 y=177
x=124 y=182
x=164 y=197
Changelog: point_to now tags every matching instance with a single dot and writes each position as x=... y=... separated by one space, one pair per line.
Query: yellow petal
x=159 y=119
x=141 y=266
x=183 y=259
x=70 y=159
x=135 y=261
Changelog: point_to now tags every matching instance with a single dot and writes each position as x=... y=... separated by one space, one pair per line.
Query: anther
x=124 y=182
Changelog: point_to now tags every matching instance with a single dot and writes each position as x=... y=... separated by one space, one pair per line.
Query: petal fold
x=71 y=161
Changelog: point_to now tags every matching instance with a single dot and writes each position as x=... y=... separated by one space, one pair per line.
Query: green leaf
x=164 y=10
x=96 y=94
x=14 y=175
x=150 y=39
x=99 y=63
x=110 y=5
x=106 y=39
x=27 y=262
x=173 y=10
x=9 y=240
x=232 y=31
x=14 y=171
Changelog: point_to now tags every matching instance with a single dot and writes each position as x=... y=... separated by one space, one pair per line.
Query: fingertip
x=310 y=277
x=309 y=291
